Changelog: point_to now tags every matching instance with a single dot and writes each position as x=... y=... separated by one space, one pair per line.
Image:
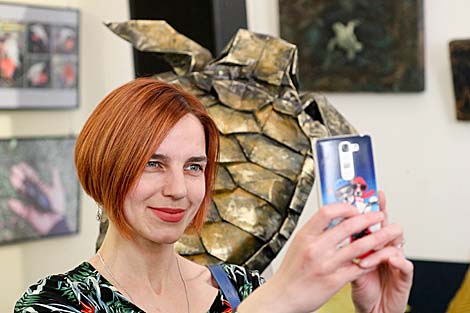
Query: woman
x=147 y=156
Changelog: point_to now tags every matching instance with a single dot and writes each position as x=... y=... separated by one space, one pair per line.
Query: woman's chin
x=165 y=238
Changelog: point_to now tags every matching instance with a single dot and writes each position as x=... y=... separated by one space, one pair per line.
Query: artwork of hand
x=42 y=205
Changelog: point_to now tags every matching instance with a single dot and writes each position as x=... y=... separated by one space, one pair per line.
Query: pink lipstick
x=171 y=215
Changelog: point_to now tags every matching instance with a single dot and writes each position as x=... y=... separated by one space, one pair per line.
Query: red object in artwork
x=7 y=68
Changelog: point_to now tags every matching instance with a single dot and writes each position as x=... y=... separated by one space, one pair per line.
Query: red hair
x=124 y=131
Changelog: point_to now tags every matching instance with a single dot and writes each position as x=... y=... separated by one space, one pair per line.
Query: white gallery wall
x=105 y=63
x=422 y=152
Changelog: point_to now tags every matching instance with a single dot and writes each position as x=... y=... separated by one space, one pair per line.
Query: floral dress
x=84 y=290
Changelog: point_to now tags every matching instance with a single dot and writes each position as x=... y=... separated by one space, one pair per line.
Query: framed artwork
x=39 y=57
x=39 y=189
x=353 y=46
x=459 y=58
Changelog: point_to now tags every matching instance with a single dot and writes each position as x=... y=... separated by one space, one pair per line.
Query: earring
x=99 y=213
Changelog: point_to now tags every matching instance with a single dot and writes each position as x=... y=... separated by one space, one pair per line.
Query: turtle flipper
x=182 y=54
x=320 y=109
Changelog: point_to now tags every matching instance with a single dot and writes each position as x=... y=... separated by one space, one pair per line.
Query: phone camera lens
x=345 y=148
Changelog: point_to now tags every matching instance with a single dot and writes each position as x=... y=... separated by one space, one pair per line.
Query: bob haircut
x=124 y=131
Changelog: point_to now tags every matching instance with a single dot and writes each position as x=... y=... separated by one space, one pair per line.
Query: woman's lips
x=171 y=215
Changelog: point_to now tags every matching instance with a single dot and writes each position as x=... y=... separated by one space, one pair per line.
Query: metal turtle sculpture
x=266 y=162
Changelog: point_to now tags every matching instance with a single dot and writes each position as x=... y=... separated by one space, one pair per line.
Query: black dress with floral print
x=84 y=290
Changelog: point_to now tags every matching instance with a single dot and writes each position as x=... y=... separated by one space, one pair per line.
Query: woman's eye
x=195 y=168
x=153 y=164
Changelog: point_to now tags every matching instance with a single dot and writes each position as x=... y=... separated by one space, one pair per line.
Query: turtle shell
x=266 y=166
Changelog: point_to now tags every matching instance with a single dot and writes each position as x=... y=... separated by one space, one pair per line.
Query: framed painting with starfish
x=354 y=46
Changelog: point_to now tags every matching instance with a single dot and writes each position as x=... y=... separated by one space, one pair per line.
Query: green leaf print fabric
x=84 y=290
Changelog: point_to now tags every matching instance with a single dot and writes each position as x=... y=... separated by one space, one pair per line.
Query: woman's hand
x=387 y=286
x=314 y=269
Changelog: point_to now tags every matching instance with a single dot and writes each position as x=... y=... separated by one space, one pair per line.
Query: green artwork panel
x=356 y=45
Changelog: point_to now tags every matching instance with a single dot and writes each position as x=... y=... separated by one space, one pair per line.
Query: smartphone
x=346 y=174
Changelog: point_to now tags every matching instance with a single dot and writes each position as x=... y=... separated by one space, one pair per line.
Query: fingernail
x=364 y=263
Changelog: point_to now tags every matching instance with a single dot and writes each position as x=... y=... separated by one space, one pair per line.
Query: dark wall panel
x=211 y=23
x=434 y=285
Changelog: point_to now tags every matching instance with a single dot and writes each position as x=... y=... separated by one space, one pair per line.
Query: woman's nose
x=175 y=185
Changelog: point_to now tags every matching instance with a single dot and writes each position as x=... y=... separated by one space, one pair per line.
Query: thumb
x=19 y=208
x=404 y=266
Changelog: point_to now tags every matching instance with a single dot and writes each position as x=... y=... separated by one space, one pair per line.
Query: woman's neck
x=138 y=262
x=153 y=276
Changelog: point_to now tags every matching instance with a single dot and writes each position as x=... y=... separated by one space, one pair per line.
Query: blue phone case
x=345 y=171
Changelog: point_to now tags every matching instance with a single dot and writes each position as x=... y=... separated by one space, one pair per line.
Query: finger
x=323 y=217
x=380 y=256
x=17 y=173
x=30 y=214
x=30 y=173
x=18 y=207
x=383 y=207
x=16 y=170
x=370 y=242
x=399 y=242
x=349 y=272
x=352 y=226
x=16 y=180
x=405 y=266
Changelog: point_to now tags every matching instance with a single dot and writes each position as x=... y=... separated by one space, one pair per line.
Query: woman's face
x=168 y=194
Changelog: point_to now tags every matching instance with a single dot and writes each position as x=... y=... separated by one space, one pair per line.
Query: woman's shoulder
x=57 y=292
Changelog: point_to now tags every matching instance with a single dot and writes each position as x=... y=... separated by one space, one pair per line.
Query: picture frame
x=459 y=55
x=39 y=57
x=39 y=189
x=356 y=46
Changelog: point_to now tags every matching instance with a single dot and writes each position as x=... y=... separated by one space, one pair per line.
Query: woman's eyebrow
x=163 y=157
x=197 y=159
x=159 y=157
